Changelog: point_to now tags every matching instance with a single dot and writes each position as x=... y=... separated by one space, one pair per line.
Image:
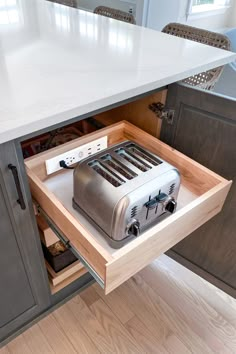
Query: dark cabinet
x=204 y=128
x=24 y=291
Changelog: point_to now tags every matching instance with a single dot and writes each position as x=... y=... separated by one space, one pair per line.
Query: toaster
x=124 y=190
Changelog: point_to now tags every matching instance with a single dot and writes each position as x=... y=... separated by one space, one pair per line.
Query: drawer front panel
x=161 y=238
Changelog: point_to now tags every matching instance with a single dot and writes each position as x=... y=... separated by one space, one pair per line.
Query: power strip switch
x=73 y=156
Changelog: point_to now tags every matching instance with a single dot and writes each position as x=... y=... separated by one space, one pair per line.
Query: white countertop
x=57 y=63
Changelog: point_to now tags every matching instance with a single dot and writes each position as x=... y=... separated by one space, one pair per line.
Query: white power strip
x=73 y=156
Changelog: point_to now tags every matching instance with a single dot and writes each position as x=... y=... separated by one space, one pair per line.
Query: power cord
x=64 y=165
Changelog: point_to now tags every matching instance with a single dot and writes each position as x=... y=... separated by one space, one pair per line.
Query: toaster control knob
x=171 y=206
x=133 y=228
x=168 y=203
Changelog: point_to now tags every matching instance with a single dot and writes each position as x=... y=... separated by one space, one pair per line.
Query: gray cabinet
x=24 y=291
x=204 y=128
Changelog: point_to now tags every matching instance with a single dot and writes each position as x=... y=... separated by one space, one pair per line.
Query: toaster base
x=113 y=243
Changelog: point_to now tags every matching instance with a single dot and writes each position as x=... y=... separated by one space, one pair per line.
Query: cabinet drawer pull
x=20 y=199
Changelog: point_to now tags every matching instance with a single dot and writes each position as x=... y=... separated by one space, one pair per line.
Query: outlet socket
x=73 y=156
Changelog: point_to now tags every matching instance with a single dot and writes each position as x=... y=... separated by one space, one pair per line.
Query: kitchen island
x=61 y=65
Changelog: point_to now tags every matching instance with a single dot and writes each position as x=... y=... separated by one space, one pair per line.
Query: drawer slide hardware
x=66 y=242
x=163 y=113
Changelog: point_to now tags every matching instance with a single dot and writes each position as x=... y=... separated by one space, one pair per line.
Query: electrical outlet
x=73 y=156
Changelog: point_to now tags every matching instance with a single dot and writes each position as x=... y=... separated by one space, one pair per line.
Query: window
x=199 y=6
x=202 y=2
x=9 y=12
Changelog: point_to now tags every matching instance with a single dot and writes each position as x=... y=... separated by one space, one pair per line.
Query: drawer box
x=201 y=196
x=60 y=261
x=48 y=237
x=58 y=281
x=59 y=277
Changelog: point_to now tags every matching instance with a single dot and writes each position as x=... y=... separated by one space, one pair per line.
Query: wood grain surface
x=137 y=113
x=164 y=309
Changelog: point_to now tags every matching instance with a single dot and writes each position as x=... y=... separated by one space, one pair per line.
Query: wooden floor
x=163 y=309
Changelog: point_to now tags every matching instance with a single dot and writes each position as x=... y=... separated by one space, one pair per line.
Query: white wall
x=161 y=12
x=157 y=13
x=139 y=7
x=232 y=20
x=212 y=22
x=117 y=4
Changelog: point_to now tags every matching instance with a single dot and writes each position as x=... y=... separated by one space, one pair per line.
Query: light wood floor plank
x=163 y=309
x=159 y=317
x=223 y=303
x=89 y=296
x=55 y=336
x=36 y=341
x=4 y=350
x=217 y=332
x=115 y=302
x=92 y=326
x=121 y=339
x=74 y=331
x=175 y=345
x=138 y=305
x=145 y=339
x=19 y=346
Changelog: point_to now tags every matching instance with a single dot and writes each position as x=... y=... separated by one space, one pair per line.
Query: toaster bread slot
x=119 y=167
x=106 y=173
x=143 y=154
x=133 y=160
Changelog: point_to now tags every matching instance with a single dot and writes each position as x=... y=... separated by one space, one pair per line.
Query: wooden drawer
x=59 y=280
x=202 y=196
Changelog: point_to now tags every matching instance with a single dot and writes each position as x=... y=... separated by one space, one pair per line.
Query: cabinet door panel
x=15 y=292
x=24 y=288
x=205 y=129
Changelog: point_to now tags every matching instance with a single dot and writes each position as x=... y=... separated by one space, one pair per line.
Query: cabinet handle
x=20 y=200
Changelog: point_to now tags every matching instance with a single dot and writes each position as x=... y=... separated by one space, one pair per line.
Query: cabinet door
x=204 y=128
x=24 y=291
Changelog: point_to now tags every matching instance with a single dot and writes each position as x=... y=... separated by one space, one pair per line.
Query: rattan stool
x=208 y=78
x=114 y=13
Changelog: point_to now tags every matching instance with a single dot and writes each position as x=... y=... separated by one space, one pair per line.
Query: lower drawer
x=68 y=269
x=202 y=195
x=58 y=281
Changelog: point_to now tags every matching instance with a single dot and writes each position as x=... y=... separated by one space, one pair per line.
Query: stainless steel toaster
x=124 y=190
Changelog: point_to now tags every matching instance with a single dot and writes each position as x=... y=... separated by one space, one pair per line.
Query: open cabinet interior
x=201 y=196
x=138 y=113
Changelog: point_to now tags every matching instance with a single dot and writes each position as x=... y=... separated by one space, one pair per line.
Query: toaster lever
x=160 y=198
x=151 y=204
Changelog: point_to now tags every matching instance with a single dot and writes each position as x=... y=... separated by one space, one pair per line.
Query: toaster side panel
x=93 y=197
